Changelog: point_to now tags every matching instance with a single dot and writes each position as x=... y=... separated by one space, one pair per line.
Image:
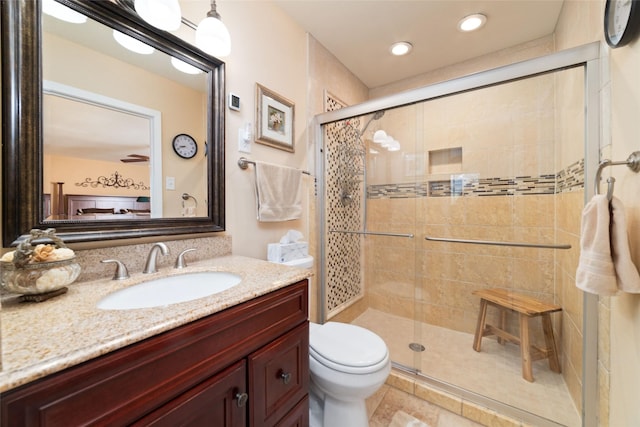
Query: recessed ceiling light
x=472 y=22
x=401 y=48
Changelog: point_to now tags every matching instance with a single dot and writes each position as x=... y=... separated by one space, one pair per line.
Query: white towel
x=596 y=272
x=278 y=193
x=626 y=271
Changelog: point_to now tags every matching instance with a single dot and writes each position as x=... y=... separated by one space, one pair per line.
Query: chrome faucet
x=150 y=266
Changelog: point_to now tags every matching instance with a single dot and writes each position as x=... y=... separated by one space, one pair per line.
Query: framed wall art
x=274 y=119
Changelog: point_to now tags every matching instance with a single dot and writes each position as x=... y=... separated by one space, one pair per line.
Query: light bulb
x=132 y=44
x=394 y=146
x=62 y=12
x=379 y=136
x=387 y=142
x=163 y=14
x=213 y=37
x=184 y=67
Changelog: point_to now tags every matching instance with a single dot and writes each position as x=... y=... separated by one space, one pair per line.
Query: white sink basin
x=169 y=290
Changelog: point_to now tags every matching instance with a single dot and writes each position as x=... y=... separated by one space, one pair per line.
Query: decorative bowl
x=39 y=278
x=40 y=269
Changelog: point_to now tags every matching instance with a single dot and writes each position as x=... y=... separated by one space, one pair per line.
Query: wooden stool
x=527 y=307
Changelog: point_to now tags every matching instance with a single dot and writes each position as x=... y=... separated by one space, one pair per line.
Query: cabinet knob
x=285 y=376
x=241 y=399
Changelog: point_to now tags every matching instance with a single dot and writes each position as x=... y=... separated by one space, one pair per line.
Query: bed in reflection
x=93 y=207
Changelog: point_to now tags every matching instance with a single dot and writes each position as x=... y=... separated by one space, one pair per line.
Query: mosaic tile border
x=568 y=179
x=571 y=177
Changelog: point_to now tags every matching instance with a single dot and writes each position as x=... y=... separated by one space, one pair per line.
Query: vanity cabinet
x=246 y=365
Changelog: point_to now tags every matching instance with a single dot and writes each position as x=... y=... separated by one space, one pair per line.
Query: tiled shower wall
x=343 y=252
x=512 y=182
x=448 y=273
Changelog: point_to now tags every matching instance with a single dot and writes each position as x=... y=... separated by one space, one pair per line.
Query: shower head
x=376 y=116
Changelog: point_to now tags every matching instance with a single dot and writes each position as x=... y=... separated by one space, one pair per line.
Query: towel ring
x=632 y=162
x=187 y=196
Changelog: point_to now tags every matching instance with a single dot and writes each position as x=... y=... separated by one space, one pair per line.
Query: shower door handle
x=374 y=233
x=494 y=243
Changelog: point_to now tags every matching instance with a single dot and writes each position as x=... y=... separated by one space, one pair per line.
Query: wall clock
x=185 y=146
x=621 y=21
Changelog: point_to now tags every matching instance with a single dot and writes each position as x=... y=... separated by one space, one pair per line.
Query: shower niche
x=445 y=161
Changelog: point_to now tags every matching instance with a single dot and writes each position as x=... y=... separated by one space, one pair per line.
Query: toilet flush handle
x=285 y=377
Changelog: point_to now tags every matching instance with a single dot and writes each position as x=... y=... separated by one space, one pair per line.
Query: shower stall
x=474 y=183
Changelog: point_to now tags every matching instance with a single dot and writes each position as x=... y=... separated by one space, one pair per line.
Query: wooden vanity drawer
x=298 y=416
x=215 y=402
x=279 y=376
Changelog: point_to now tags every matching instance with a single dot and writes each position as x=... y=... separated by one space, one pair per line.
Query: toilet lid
x=347 y=346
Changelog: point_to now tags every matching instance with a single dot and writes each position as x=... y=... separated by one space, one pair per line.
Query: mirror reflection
x=110 y=114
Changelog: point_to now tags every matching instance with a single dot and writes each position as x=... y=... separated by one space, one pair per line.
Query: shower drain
x=416 y=347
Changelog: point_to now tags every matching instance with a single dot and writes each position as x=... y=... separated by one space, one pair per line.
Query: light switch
x=170 y=183
x=244 y=140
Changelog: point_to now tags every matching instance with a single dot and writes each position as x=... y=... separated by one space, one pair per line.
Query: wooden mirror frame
x=22 y=151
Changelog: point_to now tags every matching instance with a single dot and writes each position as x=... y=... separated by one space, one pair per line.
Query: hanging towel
x=596 y=272
x=626 y=272
x=278 y=192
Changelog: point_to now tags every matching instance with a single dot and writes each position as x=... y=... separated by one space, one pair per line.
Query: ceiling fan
x=132 y=158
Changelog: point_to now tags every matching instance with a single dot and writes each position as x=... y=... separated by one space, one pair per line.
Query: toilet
x=347 y=364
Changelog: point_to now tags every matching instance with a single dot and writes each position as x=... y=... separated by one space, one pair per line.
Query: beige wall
x=267 y=48
x=625 y=309
x=619 y=330
x=72 y=170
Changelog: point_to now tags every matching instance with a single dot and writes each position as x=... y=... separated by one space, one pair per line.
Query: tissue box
x=283 y=252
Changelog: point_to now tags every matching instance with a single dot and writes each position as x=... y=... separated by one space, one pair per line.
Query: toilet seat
x=347 y=348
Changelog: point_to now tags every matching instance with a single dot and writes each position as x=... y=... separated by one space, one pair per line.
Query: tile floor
x=390 y=407
x=495 y=372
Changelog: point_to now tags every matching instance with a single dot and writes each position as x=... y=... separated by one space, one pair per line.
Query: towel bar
x=632 y=162
x=244 y=163
x=494 y=243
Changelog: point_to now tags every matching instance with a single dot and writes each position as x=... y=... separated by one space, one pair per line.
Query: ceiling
x=360 y=32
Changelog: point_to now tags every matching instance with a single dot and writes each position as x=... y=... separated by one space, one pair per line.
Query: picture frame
x=274 y=119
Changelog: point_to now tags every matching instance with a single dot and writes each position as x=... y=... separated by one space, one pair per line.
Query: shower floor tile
x=495 y=372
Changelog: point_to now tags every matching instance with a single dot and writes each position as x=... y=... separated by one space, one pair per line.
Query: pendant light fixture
x=212 y=35
x=163 y=14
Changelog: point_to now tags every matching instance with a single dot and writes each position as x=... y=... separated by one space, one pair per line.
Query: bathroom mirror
x=149 y=188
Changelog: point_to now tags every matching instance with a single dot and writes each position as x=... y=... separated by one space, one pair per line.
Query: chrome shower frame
x=587 y=56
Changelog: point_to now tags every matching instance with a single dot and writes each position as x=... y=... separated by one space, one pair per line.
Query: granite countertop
x=39 y=339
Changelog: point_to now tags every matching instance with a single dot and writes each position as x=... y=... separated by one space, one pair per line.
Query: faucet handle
x=121 y=269
x=180 y=261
